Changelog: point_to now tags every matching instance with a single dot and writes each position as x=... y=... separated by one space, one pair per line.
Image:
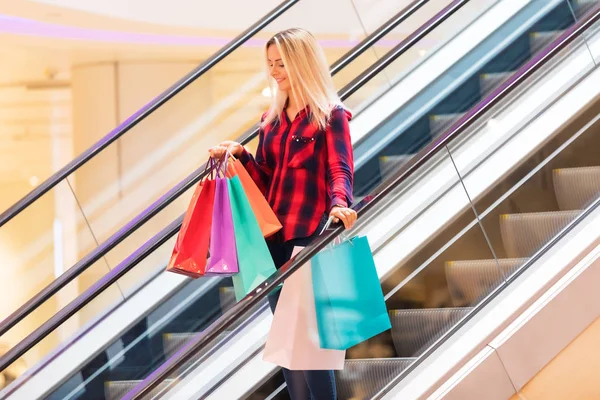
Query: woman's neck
x=293 y=105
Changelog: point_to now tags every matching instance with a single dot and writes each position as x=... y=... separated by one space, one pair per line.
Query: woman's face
x=277 y=69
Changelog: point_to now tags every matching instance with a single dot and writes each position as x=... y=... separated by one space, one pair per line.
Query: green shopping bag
x=349 y=301
x=254 y=259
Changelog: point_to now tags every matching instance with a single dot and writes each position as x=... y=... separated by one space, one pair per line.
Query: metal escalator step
x=226 y=297
x=470 y=280
x=388 y=164
x=413 y=331
x=489 y=81
x=576 y=188
x=539 y=40
x=524 y=234
x=583 y=6
x=114 y=390
x=172 y=342
x=175 y=341
x=363 y=378
x=439 y=122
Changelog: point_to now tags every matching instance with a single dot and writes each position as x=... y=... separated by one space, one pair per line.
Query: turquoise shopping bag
x=254 y=260
x=348 y=298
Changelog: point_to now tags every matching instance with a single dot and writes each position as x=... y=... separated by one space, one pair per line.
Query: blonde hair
x=309 y=76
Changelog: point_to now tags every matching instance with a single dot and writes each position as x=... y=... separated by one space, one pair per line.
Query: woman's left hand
x=346 y=215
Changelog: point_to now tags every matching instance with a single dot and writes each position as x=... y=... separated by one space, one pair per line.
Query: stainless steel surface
x=489 y=81
x=524 y=234
x=116 y=390
x=414 y=330
x=361 y=379
x=576 y=188
x=470 y=280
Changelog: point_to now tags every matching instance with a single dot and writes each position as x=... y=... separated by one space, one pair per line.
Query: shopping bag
x=267 y=220
x=293 y=341
x=191 y=248
x=254 y=260
x=349 y=302
x=223 y=256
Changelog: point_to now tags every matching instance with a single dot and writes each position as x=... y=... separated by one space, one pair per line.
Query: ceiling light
x=34 y=180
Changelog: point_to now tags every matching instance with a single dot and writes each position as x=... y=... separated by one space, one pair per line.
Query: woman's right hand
x=218 y=152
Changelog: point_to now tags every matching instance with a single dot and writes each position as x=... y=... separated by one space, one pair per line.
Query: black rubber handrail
x=200 y=341
x=96 y=254
x=141 y=114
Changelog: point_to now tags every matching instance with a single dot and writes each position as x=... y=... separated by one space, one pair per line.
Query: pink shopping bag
x=293 y=340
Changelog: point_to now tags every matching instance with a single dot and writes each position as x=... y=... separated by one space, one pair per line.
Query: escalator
x=507 y=231
x=446 y=99
x=165 y=328
x=440 y=286
x=80 y=224
x=203 y=293
x=545 y=308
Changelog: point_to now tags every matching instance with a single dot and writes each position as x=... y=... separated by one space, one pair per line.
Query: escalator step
x=172 y=342
x=388 y=164
x=438 y=123
x=470 y=280
x=227 y=297
x=583 y=6
x=413 y=331
x=115 y=390
x=576 y=188
x=489 y=81
x=175 y=341
x=362 y=379
x=539 y=40
x=524 y=234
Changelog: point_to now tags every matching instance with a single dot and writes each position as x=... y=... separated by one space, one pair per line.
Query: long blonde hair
x=309 y=76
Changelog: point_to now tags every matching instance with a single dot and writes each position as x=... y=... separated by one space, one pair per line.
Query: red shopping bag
x=191 y=249
x=267 y=220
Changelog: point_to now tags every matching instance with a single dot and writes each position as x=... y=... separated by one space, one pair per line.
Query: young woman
x=303 y=164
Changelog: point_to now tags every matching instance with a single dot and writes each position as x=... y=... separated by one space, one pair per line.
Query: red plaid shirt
x=302 y=170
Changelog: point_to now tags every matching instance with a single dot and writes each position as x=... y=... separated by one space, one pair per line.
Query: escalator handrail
x=82 y=265
x=200 y=341
x=142 y=113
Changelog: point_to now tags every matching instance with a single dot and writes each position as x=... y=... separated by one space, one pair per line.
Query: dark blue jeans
x=302 y=385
